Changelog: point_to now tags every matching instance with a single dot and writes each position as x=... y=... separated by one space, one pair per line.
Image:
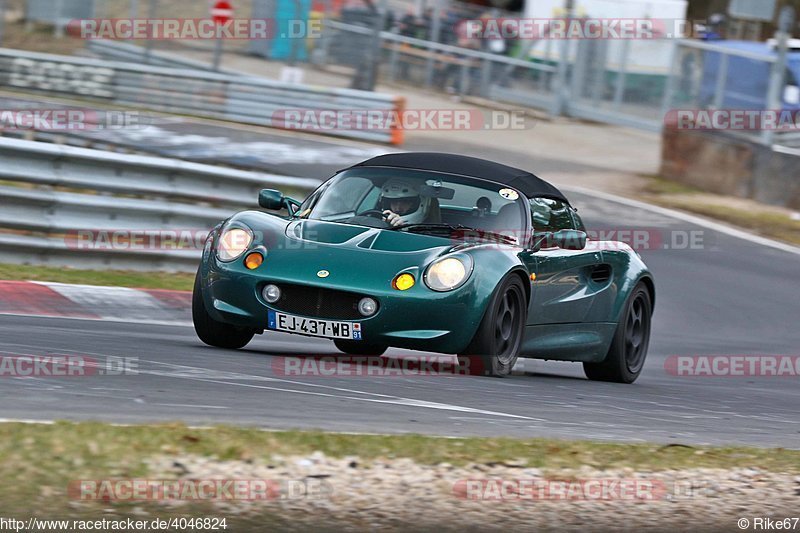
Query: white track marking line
x=686 y=217
x=378 y=398
x=253 y=377
x=191 y=406
x=396 y=400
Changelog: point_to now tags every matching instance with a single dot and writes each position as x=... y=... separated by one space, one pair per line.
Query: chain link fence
x=631 y=82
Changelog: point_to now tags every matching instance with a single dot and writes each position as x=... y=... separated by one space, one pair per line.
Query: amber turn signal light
x=253 y=260
x=403 y=282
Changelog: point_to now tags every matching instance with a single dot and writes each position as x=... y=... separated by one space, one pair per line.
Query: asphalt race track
x=725 y=295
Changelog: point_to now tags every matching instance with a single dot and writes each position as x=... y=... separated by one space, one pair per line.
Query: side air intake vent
x=601 y=273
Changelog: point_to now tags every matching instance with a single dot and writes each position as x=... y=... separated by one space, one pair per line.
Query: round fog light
x=367 y=306
x=271 y=293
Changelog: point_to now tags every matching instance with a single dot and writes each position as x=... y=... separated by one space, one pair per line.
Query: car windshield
x=417 y=201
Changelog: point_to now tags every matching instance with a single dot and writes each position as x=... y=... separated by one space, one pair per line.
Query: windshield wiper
x=460 y=228
x=425 y=227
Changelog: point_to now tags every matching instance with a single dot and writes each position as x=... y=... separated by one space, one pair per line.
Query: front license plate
x=315 y=327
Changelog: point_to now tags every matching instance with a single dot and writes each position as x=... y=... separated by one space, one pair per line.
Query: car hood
x=353 y=257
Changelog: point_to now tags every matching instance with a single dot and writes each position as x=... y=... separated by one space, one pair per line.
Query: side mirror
x=271 y=199
x=566 y=239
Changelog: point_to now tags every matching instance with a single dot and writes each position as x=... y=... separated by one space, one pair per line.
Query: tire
x=212 y=332
x=359 y=348
x=628 y=350
x=496 y=345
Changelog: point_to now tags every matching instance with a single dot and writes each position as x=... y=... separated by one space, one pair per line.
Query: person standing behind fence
x=451 y=78
x=407 y=25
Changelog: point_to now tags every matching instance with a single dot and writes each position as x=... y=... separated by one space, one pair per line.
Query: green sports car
x=428 y=251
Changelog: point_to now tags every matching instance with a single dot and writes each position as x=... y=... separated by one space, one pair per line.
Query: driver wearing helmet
x=402 y=202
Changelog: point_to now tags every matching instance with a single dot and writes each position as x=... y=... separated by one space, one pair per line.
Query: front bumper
x=418 y=318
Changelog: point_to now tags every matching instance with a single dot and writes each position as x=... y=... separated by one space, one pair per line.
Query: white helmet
x=397 y=188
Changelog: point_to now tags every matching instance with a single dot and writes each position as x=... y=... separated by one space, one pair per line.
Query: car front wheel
x=496 y=345
x=628 y=350
x=213 y=332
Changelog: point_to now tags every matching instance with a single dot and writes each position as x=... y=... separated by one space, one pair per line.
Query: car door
x=561 y=291
x=564 y=318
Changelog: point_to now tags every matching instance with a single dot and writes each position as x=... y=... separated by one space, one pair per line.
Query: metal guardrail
x=119 y=51
x=245 y=99
x=61 y=191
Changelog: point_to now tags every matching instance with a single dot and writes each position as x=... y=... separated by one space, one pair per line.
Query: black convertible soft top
x=522 y=180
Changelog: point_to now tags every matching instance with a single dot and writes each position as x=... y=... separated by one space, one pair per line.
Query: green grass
x=761 y=219
x=121 y=278
x=659 y=185
x=774 y=225
x=38 y=461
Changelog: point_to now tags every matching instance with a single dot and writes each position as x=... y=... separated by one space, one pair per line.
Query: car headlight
x=448 y=273
x=233 y=242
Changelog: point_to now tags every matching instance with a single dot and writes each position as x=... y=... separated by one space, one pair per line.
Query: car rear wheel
x=213 y=332
x=360 y=348
x=495 y=347
x=628 y=350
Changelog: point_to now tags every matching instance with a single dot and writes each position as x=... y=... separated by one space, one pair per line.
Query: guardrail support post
x=619 y=90
x=2 y=19
x=777 y=78
x=148 y=47
x=463 y=84
x=58 y=27
x=486 y=77
x=561 y=101
x=393 y=61
x=722 y=82
x=436 y=27
x=672 y=78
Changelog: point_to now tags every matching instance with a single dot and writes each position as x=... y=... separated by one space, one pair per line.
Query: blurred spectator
x=451 y=77
x=407 y=26
x=427 y=24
